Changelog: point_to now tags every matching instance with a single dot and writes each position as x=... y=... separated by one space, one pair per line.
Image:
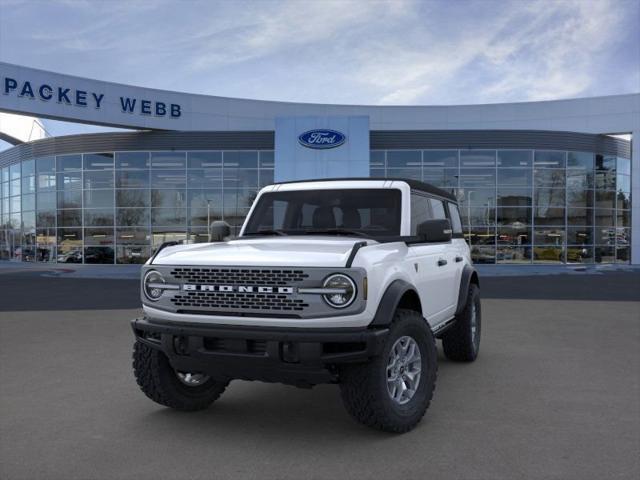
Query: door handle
x=458 y=259
x=442 y=262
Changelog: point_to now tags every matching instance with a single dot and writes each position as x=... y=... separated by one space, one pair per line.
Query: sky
x=395 y=52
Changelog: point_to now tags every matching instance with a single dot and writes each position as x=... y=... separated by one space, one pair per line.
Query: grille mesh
x=237 y=301
x=228 y=276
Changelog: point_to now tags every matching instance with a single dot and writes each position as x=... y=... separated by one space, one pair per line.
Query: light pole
x=469 y=214
x=209 y=220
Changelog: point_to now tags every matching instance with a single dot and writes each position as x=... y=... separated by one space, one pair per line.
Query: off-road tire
x=459 y=342
x=158 y=380
x=364 y=386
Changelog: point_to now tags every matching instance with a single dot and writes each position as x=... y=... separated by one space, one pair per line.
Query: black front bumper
x=294 y=356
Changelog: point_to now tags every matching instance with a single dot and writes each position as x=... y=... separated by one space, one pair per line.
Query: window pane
x=46 y=200
x=46 y=181
x=168 y=160
x=605 y=254
x=168 y=179
x=69 y=162
x=548 y=216
x=514 y=215
x=580 y=235
x=70 y=180
x=580 y=254
x=70 y=199
x=477 y=158
x=98 y=179
x=623 y=183
x=133 y=198
x=168 y=198
x=70 y=218
x=579 y=178
x=29 y=202
x=624 y=218
x=14 y=187
x=514 y=234
x=577 y=197
x=446 y=178
x=205 y=178
x=137 y=254
x=514 y=197
x=623 y=254
x=204 y=159
x=132 y=179
x=204 y=198
x=28 y=168
x=440 y=159
x=98 y=199
x=583 y=160
x=44 y=165
x=266 y=177
x=98 y=236
x=132 y=160
x=133 y=236
x=549 y=236
x=549 y=178
x=579 y=216
x=605 y=199
x=420 y=211
x=169 y=217
x=241 y=159
x=46 y=219
x=28 y=185
x=267 y=159
x=98 y=161
x=404 y=158
x=98 y=254
x=133 y=217
x=549 y=159
x=548 y=254
x=484 y=254
x=514 y=176
x=405 y=173
x=98 y=217
x=549 y=197
x=605 y=163
x=605 y=235
x=605 y=217
x=513 y=254
x=456 y=221
x=477 y=177
x=237 y=177
x=515 y=158
x=623 y=166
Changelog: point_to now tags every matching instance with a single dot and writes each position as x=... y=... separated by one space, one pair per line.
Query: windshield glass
x=361 y=212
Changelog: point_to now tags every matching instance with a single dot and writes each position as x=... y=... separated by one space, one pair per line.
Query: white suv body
x=325 y=275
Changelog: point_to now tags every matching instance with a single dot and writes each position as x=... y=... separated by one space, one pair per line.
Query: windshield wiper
x=267 y=232
x=336 y=231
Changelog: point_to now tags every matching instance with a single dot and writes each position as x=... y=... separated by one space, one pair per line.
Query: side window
x=456 y=223
x=437 y=209
x=420 y=211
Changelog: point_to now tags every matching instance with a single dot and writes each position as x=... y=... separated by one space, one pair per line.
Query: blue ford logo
x=322 y=138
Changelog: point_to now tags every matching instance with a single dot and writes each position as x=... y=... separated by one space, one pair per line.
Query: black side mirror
x=436 y=231
x=219 y=230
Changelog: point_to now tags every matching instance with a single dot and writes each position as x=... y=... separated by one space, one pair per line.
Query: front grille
x=235 y=276
x=237 y=301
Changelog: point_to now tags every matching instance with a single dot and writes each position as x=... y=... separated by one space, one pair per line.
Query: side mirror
x=436 y=231
x=218 y=230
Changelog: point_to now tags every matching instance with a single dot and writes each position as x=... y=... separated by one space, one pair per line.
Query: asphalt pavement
x=555 y=394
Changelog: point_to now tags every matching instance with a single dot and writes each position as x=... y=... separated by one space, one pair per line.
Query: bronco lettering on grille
x=237 y=288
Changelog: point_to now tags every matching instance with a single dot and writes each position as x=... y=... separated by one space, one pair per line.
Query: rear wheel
x=158 y=380
x=393 y=391
x=461 y=342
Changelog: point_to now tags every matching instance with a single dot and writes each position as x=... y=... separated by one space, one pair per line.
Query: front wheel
x=461 y=342
x=164 y=385
x=393 y=391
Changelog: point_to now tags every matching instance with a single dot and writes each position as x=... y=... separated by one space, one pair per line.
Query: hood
x=312 y=251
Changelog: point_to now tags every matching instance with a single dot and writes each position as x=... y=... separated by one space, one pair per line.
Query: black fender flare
x=389 y=302
x=468 y=273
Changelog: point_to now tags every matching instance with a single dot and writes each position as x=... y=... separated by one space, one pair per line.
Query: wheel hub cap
x=403 y=370
x=192 y=379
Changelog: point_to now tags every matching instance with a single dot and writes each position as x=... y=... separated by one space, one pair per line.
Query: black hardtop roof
x=413 y=184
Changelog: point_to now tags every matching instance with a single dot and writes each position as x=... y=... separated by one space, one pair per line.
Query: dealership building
x=538 y=182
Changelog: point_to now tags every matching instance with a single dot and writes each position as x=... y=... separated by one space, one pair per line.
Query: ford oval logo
x=322 y=138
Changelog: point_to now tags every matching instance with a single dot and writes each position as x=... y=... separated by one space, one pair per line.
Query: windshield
x=360 y=212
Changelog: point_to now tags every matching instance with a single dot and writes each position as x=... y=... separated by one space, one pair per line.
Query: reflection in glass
x=408 y=173
x=68 y=162
x=514 y=158
x=70 y=218
x=98 y=198
x=97 y=161
x=168 y=198
x=605 y=254
x=168 y=179
x=102 y=254
x=508 y=254
x=169 y=217
x=549 y=236
x=168 y=160
x=549 y=159
x=132 y=179
x=440 y=159
x=68 y=199
x=240 y=159
x=514 y=234
x=138 y=160
x=128 y=254
x=548 y=254
x=133 y=198
x=514 y=176
x=580 y=254
x=98 y=179
x=483 y=254
x=580 y=235
x=133 y=216
x=514 y=215
x=477 y=158
x=582 y=160
x=204 y=159
x=98 y=217
x=404 y=158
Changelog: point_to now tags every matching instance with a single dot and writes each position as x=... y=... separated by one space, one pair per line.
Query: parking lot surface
x=555 y=393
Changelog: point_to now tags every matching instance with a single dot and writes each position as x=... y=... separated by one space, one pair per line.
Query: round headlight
x=344 y=290
x=150 y=285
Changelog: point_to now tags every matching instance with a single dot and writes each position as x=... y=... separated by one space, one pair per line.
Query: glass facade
x=117 y=207
x=517 y=206
x=529 y=206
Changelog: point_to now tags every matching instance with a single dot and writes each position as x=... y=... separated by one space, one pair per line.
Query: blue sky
x=361 y=52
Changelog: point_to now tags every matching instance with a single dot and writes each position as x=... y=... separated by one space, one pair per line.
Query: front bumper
x=295 y=356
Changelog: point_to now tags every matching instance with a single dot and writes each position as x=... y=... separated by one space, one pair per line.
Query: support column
x=635 y=197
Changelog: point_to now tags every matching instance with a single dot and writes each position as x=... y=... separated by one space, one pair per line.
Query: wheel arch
x=399 y=294
x=469 y=277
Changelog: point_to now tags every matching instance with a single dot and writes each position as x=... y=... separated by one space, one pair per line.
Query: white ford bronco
x=346 y=281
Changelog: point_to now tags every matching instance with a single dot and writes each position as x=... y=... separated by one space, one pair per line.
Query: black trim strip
x=354 y=250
